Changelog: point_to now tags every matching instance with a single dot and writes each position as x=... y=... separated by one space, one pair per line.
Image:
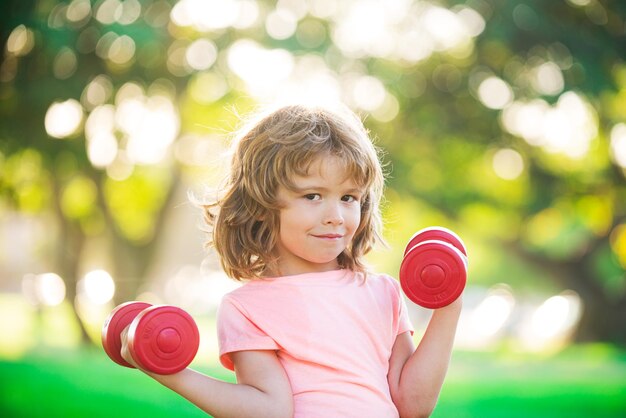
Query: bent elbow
x=278 y=413
x=284 y=414
x=288 y=414
x=415 y=408
x=416 y=413
x=286 y=410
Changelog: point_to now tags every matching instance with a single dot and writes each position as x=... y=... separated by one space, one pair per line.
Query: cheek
x=290 y=221
x=354 y=217
x=287 y=215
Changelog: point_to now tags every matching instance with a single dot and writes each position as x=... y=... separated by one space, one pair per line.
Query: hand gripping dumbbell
x=162 y=339
x=434 y=269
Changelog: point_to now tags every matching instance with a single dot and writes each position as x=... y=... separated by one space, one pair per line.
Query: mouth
x=329 y=236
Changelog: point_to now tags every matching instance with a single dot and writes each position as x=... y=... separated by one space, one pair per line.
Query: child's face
x=319 y=219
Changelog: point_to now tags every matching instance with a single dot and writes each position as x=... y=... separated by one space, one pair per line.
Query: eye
x=312 y=196
x=350 y=198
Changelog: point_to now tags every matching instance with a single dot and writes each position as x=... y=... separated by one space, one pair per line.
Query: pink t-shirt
x=333 y=333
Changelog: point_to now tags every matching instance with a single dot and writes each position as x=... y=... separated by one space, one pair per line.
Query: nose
x=333 y=214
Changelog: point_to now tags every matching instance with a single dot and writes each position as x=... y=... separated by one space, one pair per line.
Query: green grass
x=580 y=382
x=86 y=384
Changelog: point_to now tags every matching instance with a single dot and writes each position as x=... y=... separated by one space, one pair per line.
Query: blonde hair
x=244 y=221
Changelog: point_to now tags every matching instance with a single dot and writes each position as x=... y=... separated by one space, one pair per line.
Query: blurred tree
x=517 y=143
x=501 y=119
x=57 y=54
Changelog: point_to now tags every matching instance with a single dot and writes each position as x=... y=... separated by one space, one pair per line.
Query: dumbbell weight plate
x=433 y=273
x=115 y=323
x=435 y=233
x=163 y=339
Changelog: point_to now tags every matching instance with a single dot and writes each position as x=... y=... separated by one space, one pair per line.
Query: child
x=312 y=332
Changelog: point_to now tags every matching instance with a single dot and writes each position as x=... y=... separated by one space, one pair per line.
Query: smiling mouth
x=328 y=236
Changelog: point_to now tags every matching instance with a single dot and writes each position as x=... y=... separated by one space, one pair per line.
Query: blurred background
x=504 y=121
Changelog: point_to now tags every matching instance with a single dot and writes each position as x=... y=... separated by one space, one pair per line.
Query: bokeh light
x=548 y=79
x=65 y=63
x=63 y=118
x=97 y=287
x=21 y=41
x=261 y=68
x=495 y=93
x=102 y=149
x=201 y=54
x=78 y=11
x=208 y=87
x=281 y=24
x=508 y=164
x=552 y=322
x=208 y=15
x=46 y=289
x=618 y=144
x=566 y=128
x=492 y=313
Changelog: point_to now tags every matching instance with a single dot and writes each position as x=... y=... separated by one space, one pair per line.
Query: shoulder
x=384 y=281
x=247 y=289
x=237 y=298
x=253 y=296
x=390 y=294
x=383 y=287
x=242 y=304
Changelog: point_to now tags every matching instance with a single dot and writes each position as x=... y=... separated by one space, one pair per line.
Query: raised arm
x=416 y=375
x=262 y=390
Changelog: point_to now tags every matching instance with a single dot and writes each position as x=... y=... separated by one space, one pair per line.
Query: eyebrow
x=323 y=189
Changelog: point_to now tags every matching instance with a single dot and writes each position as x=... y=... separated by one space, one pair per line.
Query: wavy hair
x=268 y=153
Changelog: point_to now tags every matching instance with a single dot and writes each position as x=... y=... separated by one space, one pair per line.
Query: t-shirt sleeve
x=404 y=322
x=237 y=331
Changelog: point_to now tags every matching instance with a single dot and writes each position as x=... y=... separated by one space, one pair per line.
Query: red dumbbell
x=434 y=269
x=162 y=339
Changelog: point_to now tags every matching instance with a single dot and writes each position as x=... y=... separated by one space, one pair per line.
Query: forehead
x=327 y=170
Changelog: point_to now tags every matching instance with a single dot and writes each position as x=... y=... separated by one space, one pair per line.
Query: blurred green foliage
x=540 y=215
